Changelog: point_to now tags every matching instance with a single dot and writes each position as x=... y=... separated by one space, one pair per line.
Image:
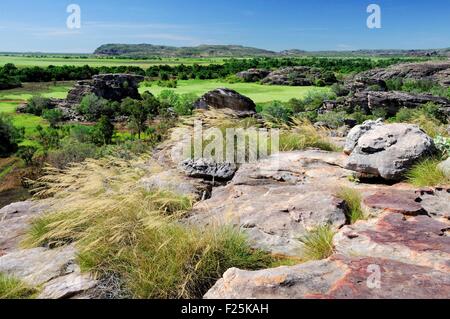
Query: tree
x=103 y=131
x=54 y=117
x=27 y=153
x=10 y=136
x=138 y=112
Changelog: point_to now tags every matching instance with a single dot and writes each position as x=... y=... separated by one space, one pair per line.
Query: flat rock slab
x=406 y=203
x=278 y=200
x=337 y=278
x=419 y=240
x=14 y=222
x=54 y=270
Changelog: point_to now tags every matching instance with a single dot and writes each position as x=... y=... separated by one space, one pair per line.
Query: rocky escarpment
x=435 y=71
x=299 y=76
x=391 y=102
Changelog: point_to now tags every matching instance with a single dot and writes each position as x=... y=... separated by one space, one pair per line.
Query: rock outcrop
x=208 y=169
x=54 y=271
x=293 y=76
x=277 y=200
x=393 y=101
x=253 y=75
x=226 y=99
x=387 y=151
x=392 y=256
x=435 y=71
x=113 y=87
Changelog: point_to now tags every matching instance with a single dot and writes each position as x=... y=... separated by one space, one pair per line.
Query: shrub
x=427 y=173
x=172 y=84
x=233 y=78
x=181 y=104
x=353 y=201
x=71 y=152
x=333 y=119
x=37 y=105
x=49 y=138
x=318 y=243
x=277 y=112
x=12 y=288
x=93 y=107
x=10 y=136
x=443 y=145
x=54 y=117
x=26 y=153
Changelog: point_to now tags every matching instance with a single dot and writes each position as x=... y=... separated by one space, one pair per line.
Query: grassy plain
x=258 y=93
x=44 y=61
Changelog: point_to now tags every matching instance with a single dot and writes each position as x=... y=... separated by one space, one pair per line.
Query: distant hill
x=202 y=51
x=208 y=51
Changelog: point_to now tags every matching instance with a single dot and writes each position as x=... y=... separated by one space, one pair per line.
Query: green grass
x=258 y=93
x=12 y=288
x=427 y=173
x=318 y=243
x=23 y=61
x=353 y=201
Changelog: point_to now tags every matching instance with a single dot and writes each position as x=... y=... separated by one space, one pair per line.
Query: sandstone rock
x=68 y=286
x=393 y=101
x=445 y=167
x=436 y=202
x=357 y=132
x=207 y=169
x=14 y=222
x=411 y=255
x=388 y=151
x=436 y=71
x=253 y=75
x=277 y=200
x=226 y=98
x=420 y=240
x=338 y=278
x=53 y=270
x=294 y=76
x=114 y=87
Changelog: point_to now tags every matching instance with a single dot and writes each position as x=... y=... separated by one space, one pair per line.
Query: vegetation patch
x=134 y=235
x=353 y=201
x=13 y=288
x=427 y=173
x=318 y=243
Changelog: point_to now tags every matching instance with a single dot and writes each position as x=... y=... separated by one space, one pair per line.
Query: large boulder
x=253 y=75
x=445 y=167
x=226 y=99
x=113 y=87
x=388 y=151
x=355 y=134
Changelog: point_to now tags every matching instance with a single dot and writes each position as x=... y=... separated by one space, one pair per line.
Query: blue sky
x=40 y=25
